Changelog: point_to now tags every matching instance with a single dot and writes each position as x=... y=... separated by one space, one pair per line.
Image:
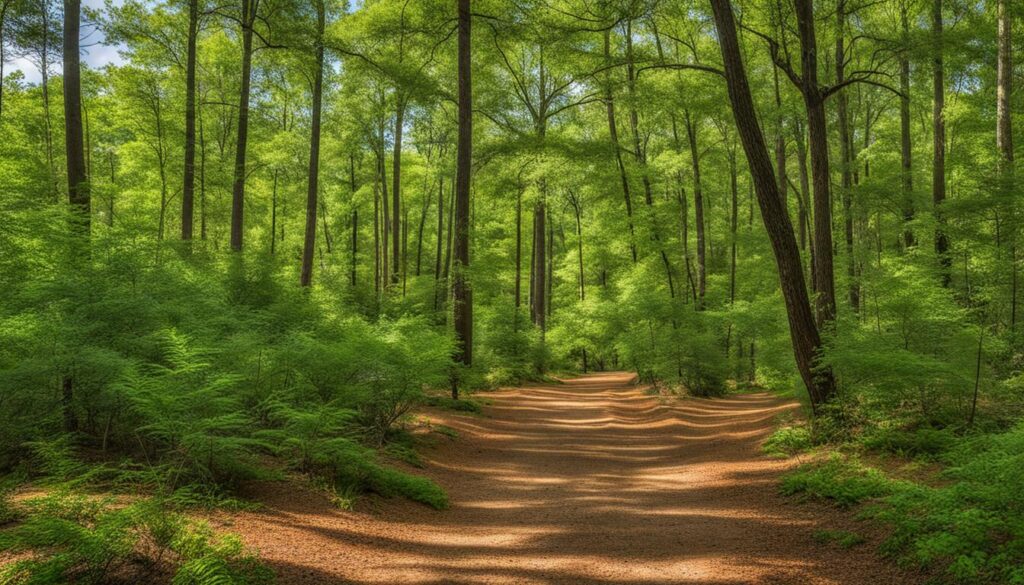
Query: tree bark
x=614 y=134
x=939 y=144
x=803 y=331
x=817 y=132
x=249 y=8
x=306 y=276
x=188 y=189
x=698 y=209
x=462 y=290
x=906 y=162
x=396 y=188
x=78 y=184
x=845 y=156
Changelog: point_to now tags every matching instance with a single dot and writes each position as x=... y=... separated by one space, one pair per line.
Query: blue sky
x=94 y=52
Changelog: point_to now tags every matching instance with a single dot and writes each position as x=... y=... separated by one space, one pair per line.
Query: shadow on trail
x=592 y=481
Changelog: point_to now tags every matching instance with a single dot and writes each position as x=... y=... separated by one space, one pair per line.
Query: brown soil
x=593 y=481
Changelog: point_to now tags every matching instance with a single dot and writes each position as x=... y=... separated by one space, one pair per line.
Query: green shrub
x=844 y=538
x=787 y=441
x=923 y=442
x=78 y=539
x=837 y=480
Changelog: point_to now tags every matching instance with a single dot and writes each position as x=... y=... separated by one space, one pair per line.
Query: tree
x=803 y=331
x=462 y=288
x=306 y=277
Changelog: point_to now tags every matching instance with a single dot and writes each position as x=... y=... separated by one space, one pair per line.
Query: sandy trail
x=592 y=481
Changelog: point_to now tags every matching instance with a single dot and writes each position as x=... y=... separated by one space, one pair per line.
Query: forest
x=351 y=246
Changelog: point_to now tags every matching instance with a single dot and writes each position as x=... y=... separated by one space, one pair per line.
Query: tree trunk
x=355 y=218
x=906 y=166
x=188 y=190
x=1004 y=135
x=939 y=135
x=306 y=277
x=78 y=185
x=803 y=331
x=817 y=132
x=249 y=8
x=845 y=156
x=519 y=256
x=698 y=209
x=614 y=133
x=396 y=189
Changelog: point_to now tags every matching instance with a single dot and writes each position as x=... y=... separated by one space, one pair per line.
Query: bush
x=923 y=442
x=84 y=540
x=843 y=482
x=787 y=441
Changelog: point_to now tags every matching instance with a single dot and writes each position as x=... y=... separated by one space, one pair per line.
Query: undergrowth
x=77 y=539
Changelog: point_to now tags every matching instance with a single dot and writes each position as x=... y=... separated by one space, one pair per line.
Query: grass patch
x=787 y=441
x=925 y=442
x=844 y=538
x=844 y=482
x=77 y=539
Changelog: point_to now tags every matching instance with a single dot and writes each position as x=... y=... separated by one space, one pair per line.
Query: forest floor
x=590 y=481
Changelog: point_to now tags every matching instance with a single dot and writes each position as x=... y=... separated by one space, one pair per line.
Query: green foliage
x=922 y=442
x=838 y=480
x=843 y=538
x=84 y=540
x=787 y=441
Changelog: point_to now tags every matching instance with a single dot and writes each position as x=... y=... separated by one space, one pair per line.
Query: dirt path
x=592 y=481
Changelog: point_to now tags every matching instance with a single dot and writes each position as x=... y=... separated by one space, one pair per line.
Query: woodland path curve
x=590 y=481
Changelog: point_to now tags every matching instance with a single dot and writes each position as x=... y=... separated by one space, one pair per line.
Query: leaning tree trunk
x=306 y=277
x=462 y=290
x=803 y=331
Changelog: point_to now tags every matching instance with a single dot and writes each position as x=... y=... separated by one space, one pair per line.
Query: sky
x=94 y=52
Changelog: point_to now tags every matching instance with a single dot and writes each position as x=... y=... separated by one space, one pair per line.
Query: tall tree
x=939 y=143
x=462 y=288
x=803 y=331
x=250 y=9
x=188 y=190
x=78 y=181
x=313 y=183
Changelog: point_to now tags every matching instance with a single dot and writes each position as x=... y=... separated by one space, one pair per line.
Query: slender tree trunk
x=845 y=156
x=306 y=277
x=355 y=218
x=188 y=190
x=78 y=184
x=422 y=227
x=396 y=190
x=698 y=208
x=202 y=180
x=906 y=163
x=814 y=102
x=803 y=331
x=519 y=255
x=249 y=8
x=733 y=222
x=539 y=269
x=614 y=133
x=805 y=187
x=939 y=132
x=1004 y=136
x=273 y=214
x=440 y=243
